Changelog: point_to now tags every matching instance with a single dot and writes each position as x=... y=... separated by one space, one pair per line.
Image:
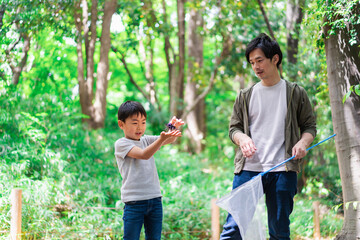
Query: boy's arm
x=150 y=150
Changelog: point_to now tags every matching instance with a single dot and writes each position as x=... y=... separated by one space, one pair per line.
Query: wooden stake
x=316 y=206
x=15 y=226
x=215 y=220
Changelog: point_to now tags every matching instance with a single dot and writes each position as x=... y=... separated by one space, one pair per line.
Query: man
x=271 y=121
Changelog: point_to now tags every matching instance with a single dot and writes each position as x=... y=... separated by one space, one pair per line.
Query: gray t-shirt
x=140 y=180
x=267 y=114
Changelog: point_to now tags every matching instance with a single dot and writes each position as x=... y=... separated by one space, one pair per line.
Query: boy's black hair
x=130 y=108
x=267 y=45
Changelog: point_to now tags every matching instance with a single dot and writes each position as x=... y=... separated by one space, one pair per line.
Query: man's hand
x=299 y=150
x=246 y=144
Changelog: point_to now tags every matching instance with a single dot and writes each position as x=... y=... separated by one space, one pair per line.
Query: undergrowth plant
x=71 y=183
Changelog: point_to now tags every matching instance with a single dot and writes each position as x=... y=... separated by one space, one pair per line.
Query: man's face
x=264 y=68
x=134 y=126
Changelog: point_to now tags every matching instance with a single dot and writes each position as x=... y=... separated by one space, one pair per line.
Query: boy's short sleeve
x=150 y=139
x=123 y=147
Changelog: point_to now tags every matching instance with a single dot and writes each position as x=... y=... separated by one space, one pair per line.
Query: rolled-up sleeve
x=236 y=120
x=306 y=116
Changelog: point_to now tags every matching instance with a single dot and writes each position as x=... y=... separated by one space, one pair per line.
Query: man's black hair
x=130 y=108
x=267 y=45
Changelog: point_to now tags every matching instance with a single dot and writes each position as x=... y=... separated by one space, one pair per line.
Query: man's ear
x=121 y=124
x=275 y=58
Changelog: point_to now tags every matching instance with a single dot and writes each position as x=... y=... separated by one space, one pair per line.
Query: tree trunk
x=177 y=83
x=148 y=53
x=168 y=48
x=343 y=64
x=96 y=111
x=90 y=50
x=17 y=67
x=294 y=17
x=148 y=58
x=266 y=19
x=85 y=102
x=16 y=70
x=196 y=118
x=2 y=12
x=103 y=66
x=262 y=9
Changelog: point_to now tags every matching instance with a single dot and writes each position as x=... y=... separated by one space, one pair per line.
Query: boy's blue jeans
x=146 y=212
x=279 y=189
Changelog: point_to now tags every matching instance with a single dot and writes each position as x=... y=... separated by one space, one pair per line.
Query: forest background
x=66 y=66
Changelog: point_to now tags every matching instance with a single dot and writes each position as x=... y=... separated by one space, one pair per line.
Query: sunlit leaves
x=353 y=89
x=347 y=205
x=45 y=147
x=340 y=14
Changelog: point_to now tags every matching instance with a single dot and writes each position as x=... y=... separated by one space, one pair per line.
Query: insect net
x=246 y=204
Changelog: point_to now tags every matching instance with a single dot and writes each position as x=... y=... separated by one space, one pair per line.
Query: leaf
x=336 y=208
x=357 y=89
x=346 y=96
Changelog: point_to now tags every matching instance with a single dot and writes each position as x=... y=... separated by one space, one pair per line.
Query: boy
x=140 y=189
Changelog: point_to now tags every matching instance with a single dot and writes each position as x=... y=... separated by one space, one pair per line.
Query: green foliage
x=353 y=89
x=43 y=145
x=80 y=175
x=302 y=223
x=71 y=184
x=320 y=182
x=33 y=16
x=68 y=173
x=339 y=14
x=29 y=20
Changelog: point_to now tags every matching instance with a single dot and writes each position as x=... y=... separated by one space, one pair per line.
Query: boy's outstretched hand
x=174 y=123
x=173 y=133
x=169 y=136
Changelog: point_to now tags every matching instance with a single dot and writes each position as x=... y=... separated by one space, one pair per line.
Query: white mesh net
x=246 y=204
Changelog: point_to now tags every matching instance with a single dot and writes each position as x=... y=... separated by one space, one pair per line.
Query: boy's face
x=263 y=67
x=134 y=126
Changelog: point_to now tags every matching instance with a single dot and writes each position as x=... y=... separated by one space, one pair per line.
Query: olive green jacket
x=299 y=119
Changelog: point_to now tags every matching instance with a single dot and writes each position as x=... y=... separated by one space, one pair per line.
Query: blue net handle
x=285 y=161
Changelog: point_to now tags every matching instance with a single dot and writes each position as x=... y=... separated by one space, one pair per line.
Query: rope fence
x=214 y=232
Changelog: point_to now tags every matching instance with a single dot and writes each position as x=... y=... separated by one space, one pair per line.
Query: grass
x=71 y=184
x=302 y=220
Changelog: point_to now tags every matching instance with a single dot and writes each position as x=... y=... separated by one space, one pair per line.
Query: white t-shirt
x=267 y=115
x=140 y=180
